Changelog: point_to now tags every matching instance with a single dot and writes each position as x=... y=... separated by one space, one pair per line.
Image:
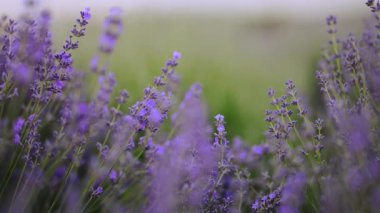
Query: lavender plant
x=65 y=150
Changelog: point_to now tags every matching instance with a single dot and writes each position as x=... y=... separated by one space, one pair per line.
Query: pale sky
x=284 y=7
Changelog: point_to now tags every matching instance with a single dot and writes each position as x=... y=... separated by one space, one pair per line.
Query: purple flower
x=17 y=130
x=331 y=20
x=177 y=55
x=123 y=97
x=255 y=205
x=22 y=73
x=60 y=173
x=374 y=7
x=260 y=150
x=271 y=92
x=114 y=176
x=94 y=63
x=183 y=164
x=267 y=203
x=113 y=27
x=356 y=129
x=150 y=104
x=86 y=14
x=97 y=192
x=293 y=193
x=220 y=135
x=169 y=69
x=370 y=3
x=272 y=195
x=155 y=115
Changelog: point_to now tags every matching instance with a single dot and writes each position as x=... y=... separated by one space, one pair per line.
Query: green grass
x=235 y=59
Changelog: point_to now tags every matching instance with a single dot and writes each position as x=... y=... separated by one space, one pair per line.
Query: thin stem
x=64 y=182
x=4 y=182
x=110 y=129
x=85 y=205
x=26 y=183
x=19 y=180
x=338 y=63
x=11 y=169
x=2 y=109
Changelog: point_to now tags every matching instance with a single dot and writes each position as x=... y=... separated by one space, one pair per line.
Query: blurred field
x=236 y=59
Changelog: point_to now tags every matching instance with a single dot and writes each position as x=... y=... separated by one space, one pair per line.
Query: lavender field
x=135 y=115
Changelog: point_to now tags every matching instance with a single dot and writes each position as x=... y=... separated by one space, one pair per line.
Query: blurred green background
x=235 y=58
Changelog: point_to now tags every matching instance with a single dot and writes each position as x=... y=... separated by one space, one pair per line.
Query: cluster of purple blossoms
x=267 y=203
x=63 y=149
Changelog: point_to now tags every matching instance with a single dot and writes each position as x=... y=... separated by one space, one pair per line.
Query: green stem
x=110 y=129
x=19 y=181
x=25 y=184
x=9 y=172
x=62 y=187
x=85 y=205
x=338 y=63
x=108 y=134
x=1 y=109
